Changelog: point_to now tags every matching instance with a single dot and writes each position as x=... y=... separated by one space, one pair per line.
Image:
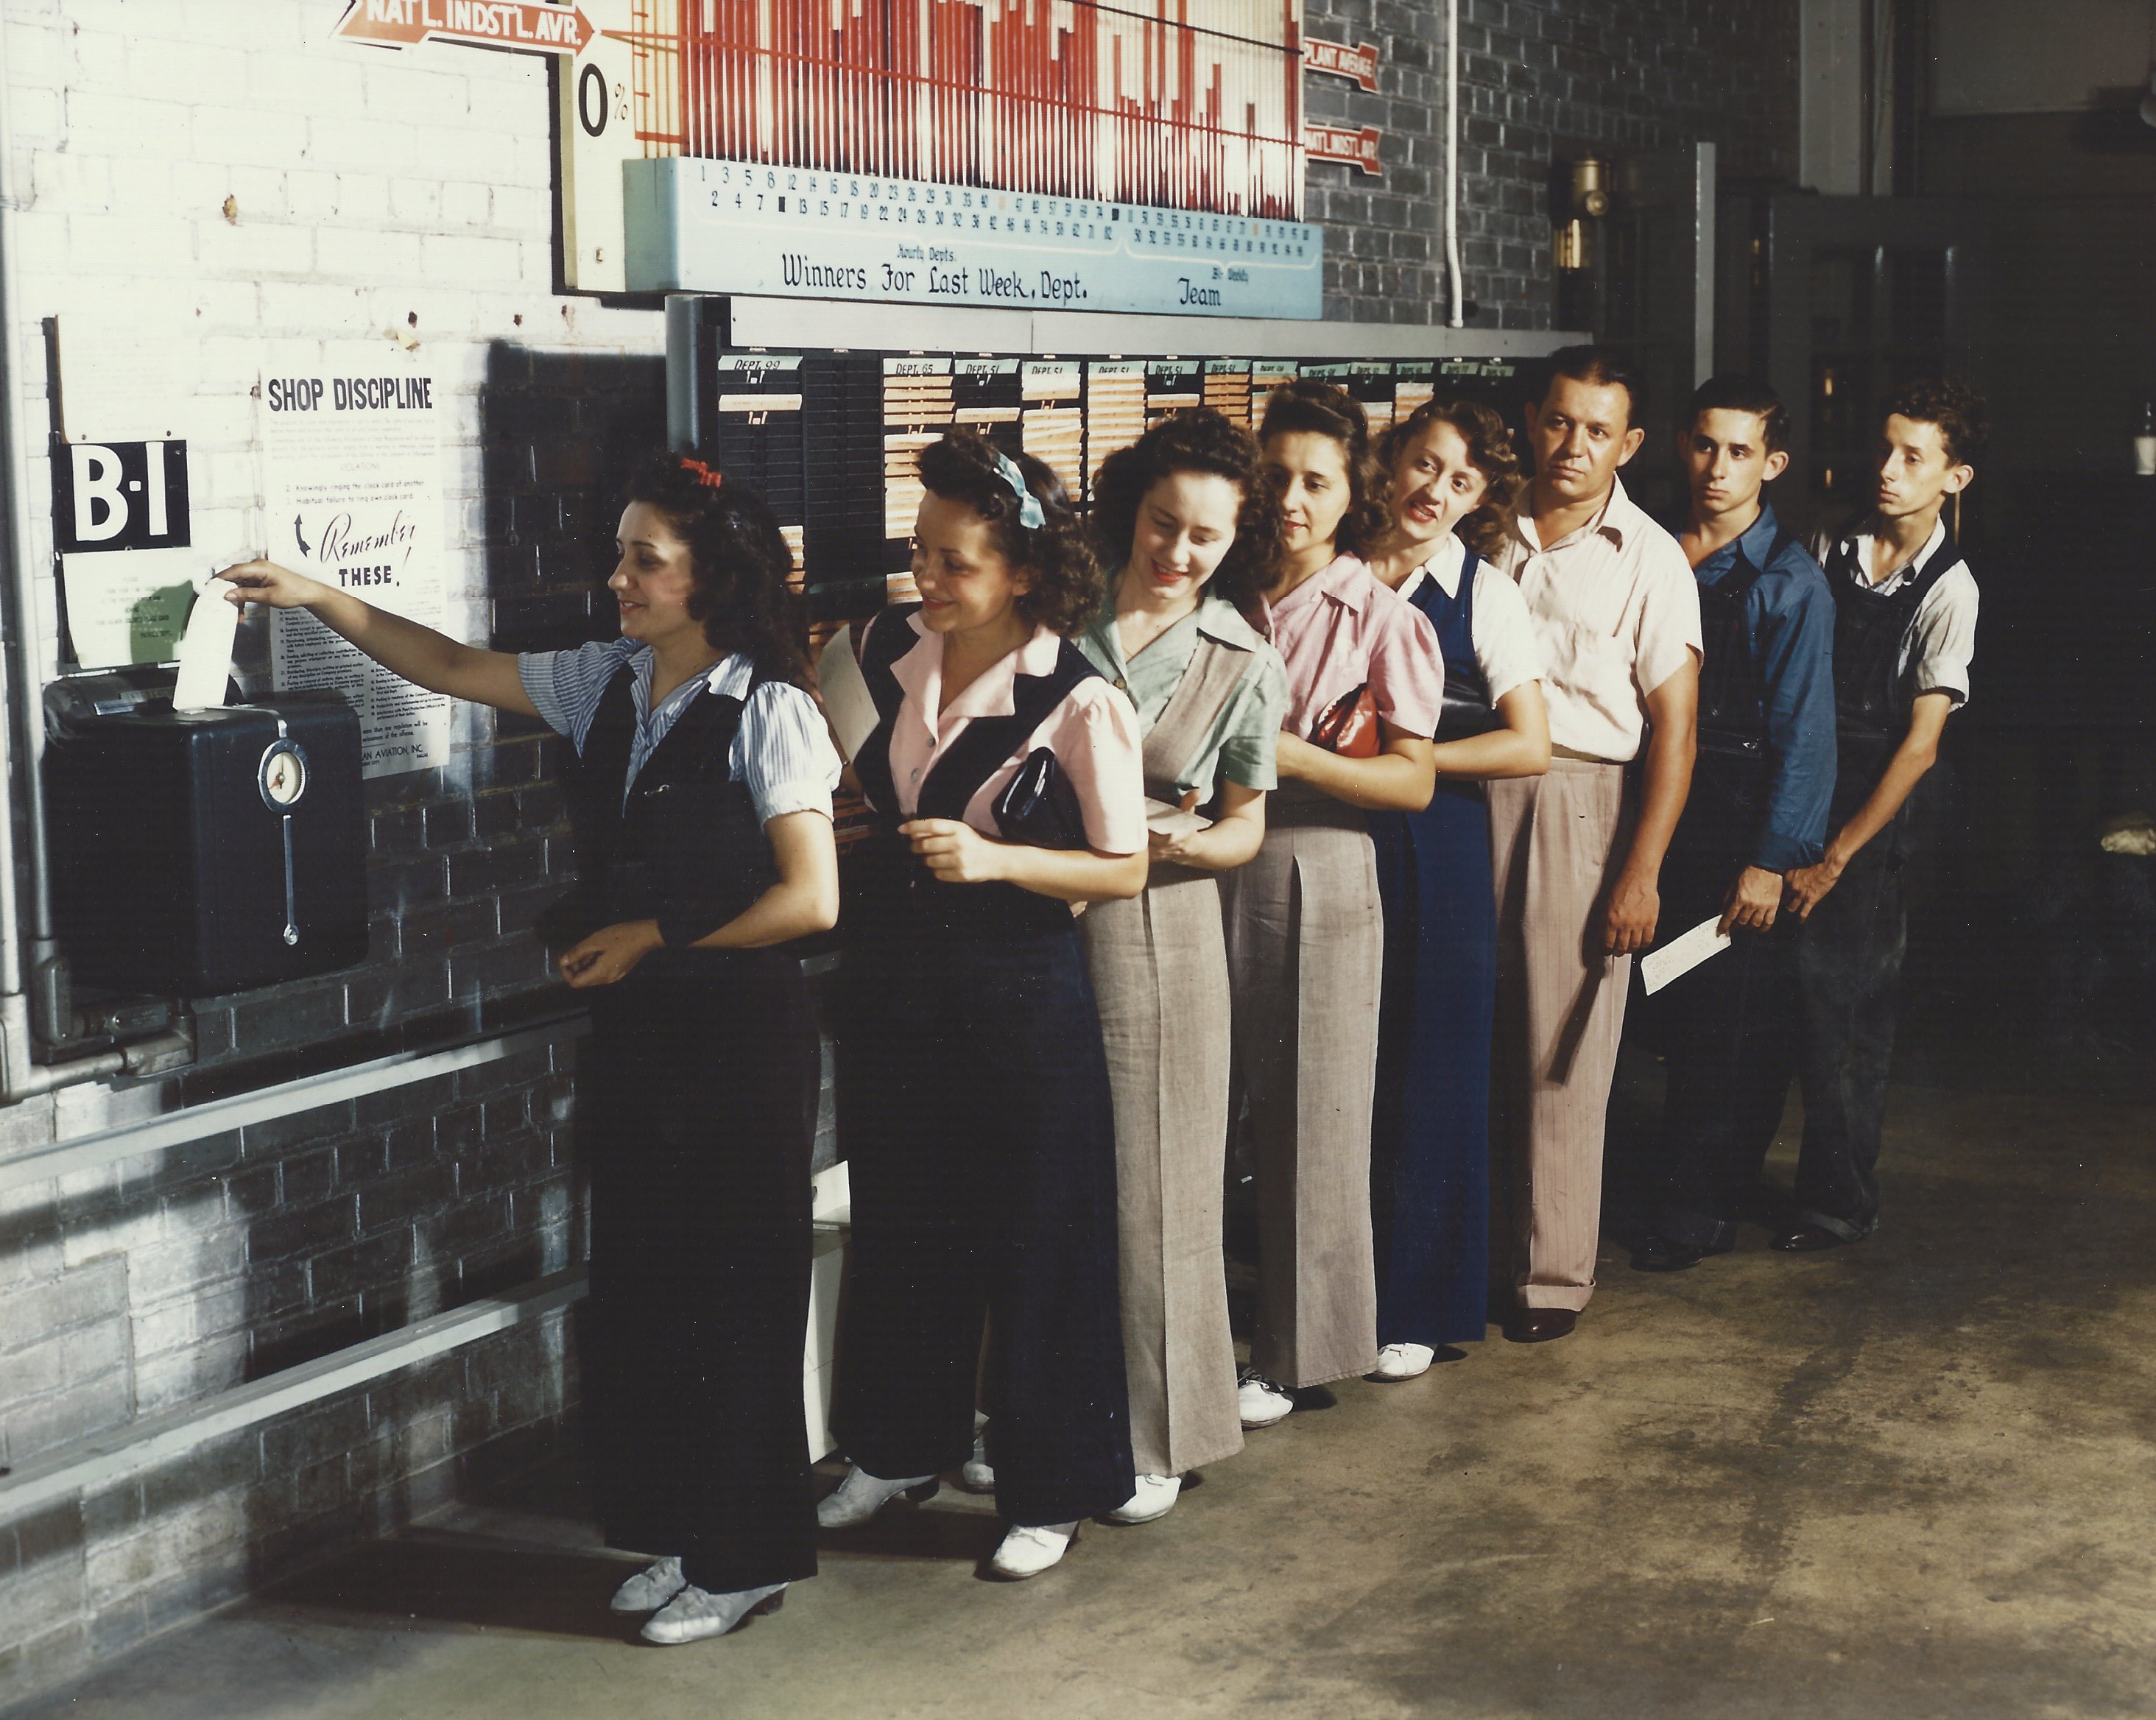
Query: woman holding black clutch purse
x=974 y=1089
x=1187 y=519
x=1366 y=684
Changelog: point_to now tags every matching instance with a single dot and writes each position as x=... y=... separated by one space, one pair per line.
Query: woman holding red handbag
x=1366 y=686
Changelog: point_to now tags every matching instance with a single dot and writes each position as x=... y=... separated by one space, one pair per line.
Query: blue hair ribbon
x=1029 y=515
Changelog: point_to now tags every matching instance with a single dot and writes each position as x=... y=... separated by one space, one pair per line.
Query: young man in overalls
x=1757 y=811
x=1905 y=630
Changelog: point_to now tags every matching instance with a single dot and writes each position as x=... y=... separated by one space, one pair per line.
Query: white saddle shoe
x=1259 y=1401
x=861 y=1495
x=692 y=1614
x=1028 y=1552
x=1404 y=1361
x=649 y=1590
x=1155 y=1497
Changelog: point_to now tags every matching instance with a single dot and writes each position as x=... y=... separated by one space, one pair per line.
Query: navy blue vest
x=888 y=888
x=684 y=847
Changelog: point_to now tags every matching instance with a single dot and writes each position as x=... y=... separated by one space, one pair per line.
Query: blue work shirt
x=1789 y=621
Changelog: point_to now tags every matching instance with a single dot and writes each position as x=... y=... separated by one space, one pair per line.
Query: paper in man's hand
x=1681 y=954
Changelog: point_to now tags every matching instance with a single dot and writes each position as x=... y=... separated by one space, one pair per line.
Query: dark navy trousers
x=1429 y=1133
x=1848 y=970
x=974 y=1104
x=1729 y=1029
x=697 y=1117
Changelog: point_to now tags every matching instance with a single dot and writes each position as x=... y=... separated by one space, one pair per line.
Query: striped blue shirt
x=783 y=750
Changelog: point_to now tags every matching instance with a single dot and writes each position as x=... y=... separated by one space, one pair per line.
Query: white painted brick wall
x=366 y=185
x=372 y=194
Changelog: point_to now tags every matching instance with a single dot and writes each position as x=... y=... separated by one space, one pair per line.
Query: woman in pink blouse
x=1305 y=934
x=973 y=1087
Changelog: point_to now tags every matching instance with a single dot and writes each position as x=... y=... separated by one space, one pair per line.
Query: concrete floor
x=1907 y=1479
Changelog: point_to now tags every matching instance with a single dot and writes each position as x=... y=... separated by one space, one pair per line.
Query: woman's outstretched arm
x=421 y=655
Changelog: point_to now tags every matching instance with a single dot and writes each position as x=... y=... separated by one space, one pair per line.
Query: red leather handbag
x=1348 y=725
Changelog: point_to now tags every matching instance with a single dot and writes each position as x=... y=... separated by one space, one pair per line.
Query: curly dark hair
x=1958 y=410
x=738 y=559
x=1490 y=451
x=1197 y=439
x=1327 y=409
x=1067 y=586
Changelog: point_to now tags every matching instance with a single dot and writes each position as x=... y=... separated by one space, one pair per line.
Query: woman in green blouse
x=1187 y=519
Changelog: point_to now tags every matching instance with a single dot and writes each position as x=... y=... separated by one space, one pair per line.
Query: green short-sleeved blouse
x=1240 y=747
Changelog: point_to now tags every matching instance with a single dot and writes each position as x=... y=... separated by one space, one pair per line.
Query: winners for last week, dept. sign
x=719 y=226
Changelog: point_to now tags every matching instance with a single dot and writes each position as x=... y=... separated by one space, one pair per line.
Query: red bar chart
x=1191 y=105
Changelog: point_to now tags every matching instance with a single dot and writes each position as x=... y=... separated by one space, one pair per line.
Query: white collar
x=1618 y=516
x=1865 y=545
x=732 y=677
x=1445 y=566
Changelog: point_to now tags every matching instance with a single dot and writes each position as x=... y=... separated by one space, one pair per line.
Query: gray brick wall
x=96 y=1573
x=1538 y=78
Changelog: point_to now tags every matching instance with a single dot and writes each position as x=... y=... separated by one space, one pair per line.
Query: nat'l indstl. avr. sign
x=737 y=227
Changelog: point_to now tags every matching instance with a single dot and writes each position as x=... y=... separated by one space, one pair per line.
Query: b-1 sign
x=120 y=495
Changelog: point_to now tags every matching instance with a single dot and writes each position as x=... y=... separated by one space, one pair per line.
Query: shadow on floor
x=443 y=1576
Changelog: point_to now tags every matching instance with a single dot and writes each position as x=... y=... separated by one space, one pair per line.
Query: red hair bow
x=702 y=474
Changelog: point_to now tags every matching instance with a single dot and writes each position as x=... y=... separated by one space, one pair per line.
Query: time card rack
x=832 y=440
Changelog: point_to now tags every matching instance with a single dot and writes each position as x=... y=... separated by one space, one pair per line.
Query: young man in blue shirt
x=1757 y=812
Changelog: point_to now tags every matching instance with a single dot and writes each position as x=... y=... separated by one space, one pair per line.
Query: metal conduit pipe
x=21 y=688
x=1457 y=316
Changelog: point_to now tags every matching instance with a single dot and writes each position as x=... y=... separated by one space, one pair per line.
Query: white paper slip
x=846 y=701
x=1173 y=820
x=206 y=649
x=1681 y=955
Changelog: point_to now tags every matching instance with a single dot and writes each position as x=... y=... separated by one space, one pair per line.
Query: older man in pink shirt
x=1577 y=855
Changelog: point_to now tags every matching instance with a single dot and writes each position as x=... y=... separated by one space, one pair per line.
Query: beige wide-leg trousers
x=1160 y=971
x=1555 y=842
x=1306 y=947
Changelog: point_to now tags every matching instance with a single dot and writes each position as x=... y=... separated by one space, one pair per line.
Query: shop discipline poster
x=354 y=489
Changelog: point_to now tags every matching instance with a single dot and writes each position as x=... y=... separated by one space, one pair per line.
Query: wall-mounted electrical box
x=200 y=852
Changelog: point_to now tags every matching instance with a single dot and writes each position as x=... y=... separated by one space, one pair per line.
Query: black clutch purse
x=1039 y=808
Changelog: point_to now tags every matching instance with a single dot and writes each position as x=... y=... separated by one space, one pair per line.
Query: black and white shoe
x=1260 y=1402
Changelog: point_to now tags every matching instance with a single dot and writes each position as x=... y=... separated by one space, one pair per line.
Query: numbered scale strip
x=736 y=227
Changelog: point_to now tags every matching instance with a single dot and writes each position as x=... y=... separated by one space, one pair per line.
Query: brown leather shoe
x=1540 y=1325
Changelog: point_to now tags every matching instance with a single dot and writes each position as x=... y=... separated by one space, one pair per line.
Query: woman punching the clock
x=701 y=803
